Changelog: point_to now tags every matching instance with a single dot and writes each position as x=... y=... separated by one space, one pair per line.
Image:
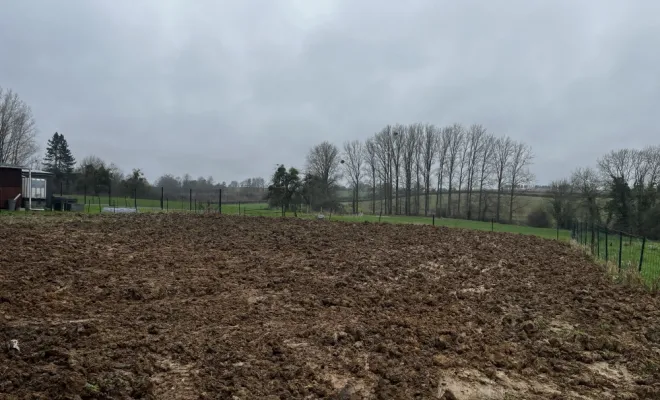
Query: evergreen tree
x=59 y=159
x=285 y=187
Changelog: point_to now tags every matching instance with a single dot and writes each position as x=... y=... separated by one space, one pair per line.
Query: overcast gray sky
x=229 y=89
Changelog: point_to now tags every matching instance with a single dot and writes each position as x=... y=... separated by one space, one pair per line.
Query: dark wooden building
x=15 y=188
x=11 y=186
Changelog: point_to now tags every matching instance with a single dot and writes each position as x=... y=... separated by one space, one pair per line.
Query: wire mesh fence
x=109 y=199
x=625 y=252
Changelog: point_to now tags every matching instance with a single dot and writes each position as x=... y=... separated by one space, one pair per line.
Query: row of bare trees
x=405 y=164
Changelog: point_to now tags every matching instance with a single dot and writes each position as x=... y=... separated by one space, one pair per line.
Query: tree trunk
x=373 y=192
x=427 y=194
x=499 y=198
x=511 y=204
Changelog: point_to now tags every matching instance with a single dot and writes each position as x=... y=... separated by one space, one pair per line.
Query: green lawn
x=607 y=249
x=549 y=233
x=92 y=204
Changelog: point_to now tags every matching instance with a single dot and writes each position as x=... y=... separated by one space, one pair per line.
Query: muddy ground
x=187 y=307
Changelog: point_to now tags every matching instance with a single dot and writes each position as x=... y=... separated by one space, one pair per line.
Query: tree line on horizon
x=93 y=175
x=416 y=169
x=411 y=168
x=480 y=174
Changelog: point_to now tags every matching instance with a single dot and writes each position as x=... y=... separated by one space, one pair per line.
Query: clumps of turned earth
x=190 y=307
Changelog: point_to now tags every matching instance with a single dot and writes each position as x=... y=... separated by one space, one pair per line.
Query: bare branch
x=323 y=162
x=17 y=130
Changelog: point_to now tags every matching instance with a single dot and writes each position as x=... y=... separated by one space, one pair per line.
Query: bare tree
x=323 y=164
x=443 y=140
x=588 y=184
x=518 y=172
x=18 y=130
x=383 y=141
x=503 y=151
x=486 y=170
x=354 y=161
x=652 y=158
x=397 y=152
x=455 y=136
x=617 y=164
x=93 y=161
x=419 y=167
x=561 y=203
x=371 y=162
x=409 y=143
x=464 y=157
x=475 y=148
x=429 y=147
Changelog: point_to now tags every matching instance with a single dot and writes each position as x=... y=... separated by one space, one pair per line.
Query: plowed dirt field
x=186 y=307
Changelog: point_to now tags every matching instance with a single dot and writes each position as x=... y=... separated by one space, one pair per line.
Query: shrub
x=538 y=219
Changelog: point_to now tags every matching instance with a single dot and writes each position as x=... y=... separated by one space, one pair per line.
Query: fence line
x=624 y=251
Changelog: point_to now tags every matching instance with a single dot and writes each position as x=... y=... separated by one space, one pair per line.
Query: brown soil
x=186 y=307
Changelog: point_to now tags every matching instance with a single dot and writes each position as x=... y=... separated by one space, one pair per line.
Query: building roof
x=36 y=171
x=7 y=166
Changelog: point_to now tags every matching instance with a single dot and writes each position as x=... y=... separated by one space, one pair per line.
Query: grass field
x=92 y=204
x=631 y=254
x=549 y=233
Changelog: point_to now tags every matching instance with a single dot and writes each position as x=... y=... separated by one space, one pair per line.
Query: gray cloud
x=230 y=88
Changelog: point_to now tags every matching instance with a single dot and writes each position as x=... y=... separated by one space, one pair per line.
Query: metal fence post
x=557 y=230
x=190 y=200
x=579 y=232
x=167 y=204
x=641 y=255
x=162 y=195
x=593 y=236
x=135 y=198
x=620 y=248
x=110 y=195
x=433 y=219
x=607 y=246
x=573 y=230
x=219 y=201
x=586 y=233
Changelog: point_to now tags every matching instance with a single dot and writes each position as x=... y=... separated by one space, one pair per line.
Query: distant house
x=15 y=188
x=522 y=187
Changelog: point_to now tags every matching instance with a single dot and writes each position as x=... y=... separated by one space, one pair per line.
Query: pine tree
x=59 y=159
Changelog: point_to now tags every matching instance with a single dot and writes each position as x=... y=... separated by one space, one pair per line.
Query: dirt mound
x=186 y=307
